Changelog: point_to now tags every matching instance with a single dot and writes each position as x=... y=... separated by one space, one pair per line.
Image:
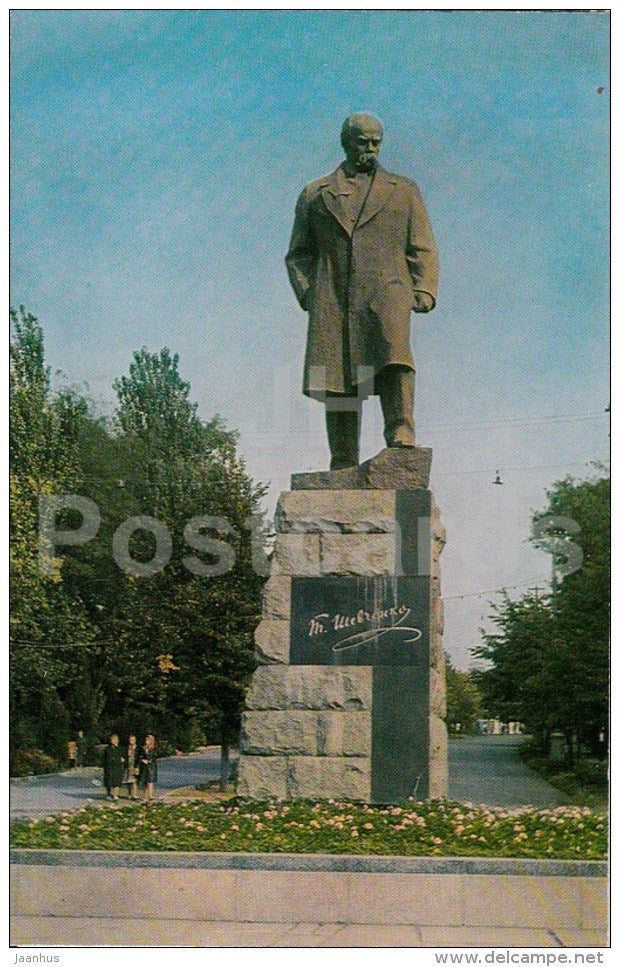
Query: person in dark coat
x=147 y=767
x=362 y=257
x=113 y=767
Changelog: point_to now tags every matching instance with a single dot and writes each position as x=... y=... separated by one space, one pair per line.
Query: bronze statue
x=362 y=257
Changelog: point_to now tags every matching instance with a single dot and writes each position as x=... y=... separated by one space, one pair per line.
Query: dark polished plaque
x=359 y=621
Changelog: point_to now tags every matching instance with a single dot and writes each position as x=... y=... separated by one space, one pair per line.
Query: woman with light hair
x=147 y=767
x=113 y=762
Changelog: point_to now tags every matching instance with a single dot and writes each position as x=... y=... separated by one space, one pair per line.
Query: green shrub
x=165 y=747
x=591 y=772
x=91 y=755
x=32 y=762
x=188 y=737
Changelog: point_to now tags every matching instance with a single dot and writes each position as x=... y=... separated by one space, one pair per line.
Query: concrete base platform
x=248 y=900
x=128 y=932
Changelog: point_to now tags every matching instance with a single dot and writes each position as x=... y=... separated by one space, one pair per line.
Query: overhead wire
x=515 y=421
x=514 y=469
x=108 y=641
x=478 y=594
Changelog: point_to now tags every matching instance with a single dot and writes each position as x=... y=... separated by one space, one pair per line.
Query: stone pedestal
x=349 y=699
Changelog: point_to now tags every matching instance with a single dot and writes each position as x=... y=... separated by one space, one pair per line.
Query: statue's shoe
x=401 y=439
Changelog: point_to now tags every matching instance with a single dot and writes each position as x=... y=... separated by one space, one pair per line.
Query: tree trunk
x=224 y=764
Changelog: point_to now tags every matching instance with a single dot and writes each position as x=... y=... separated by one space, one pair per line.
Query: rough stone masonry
x=349 y=698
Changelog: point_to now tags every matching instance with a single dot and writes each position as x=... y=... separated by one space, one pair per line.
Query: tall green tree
x=193 y=624
x=517 y=685
x=463 y=699
x=51 y=639
x=97 y=642
x=581 y=604
x=549 y=660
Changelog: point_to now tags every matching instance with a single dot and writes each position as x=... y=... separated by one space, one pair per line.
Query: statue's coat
x=358 y=282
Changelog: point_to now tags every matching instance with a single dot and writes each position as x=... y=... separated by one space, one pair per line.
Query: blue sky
x=156 y=160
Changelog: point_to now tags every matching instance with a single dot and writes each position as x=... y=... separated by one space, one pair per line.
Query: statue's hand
x=422 y=302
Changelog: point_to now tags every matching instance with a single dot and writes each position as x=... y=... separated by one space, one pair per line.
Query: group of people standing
x=131 y=766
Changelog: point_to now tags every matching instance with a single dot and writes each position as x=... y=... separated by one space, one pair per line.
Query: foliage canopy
x=96 y=647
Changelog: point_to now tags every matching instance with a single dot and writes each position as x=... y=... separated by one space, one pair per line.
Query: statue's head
x=361 y=138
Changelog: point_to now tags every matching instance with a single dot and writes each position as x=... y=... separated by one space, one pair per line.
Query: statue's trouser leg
x=395 y=385
x=343 y=416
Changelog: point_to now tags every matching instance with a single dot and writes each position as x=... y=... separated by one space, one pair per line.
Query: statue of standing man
x=362 y=257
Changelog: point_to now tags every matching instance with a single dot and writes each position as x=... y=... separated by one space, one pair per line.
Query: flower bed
x=434 y=828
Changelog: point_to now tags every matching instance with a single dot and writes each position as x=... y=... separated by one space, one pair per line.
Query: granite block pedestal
x=349 y=699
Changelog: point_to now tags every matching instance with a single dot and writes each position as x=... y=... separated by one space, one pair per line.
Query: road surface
x=487 y=769
x=42 y=795
x=482 y=769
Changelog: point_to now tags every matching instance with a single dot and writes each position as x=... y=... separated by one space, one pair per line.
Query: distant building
x=497 y=727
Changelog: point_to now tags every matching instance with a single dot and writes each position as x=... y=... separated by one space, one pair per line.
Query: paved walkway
x=487 y=769
x=482 y=769
x=42 y=795
x=134 y=932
